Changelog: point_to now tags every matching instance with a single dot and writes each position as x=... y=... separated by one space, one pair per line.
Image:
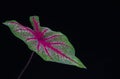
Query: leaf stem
x=25 y=67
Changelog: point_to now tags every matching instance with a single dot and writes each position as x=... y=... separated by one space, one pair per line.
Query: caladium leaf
x=50 y=45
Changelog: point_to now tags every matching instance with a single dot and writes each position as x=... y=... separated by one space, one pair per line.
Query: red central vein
x=35 y=24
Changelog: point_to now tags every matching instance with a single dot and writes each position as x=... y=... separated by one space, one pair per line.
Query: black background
x=84 y=23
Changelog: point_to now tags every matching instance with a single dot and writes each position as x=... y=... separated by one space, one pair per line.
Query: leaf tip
x=82 y=66
x=35 y=16
x=8 y=22
x=79 y=63
x=5 y=23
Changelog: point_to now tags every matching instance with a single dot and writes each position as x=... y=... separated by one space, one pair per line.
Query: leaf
x=50 y=45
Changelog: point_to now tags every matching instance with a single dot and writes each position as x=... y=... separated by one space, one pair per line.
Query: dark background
x=84 y=23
